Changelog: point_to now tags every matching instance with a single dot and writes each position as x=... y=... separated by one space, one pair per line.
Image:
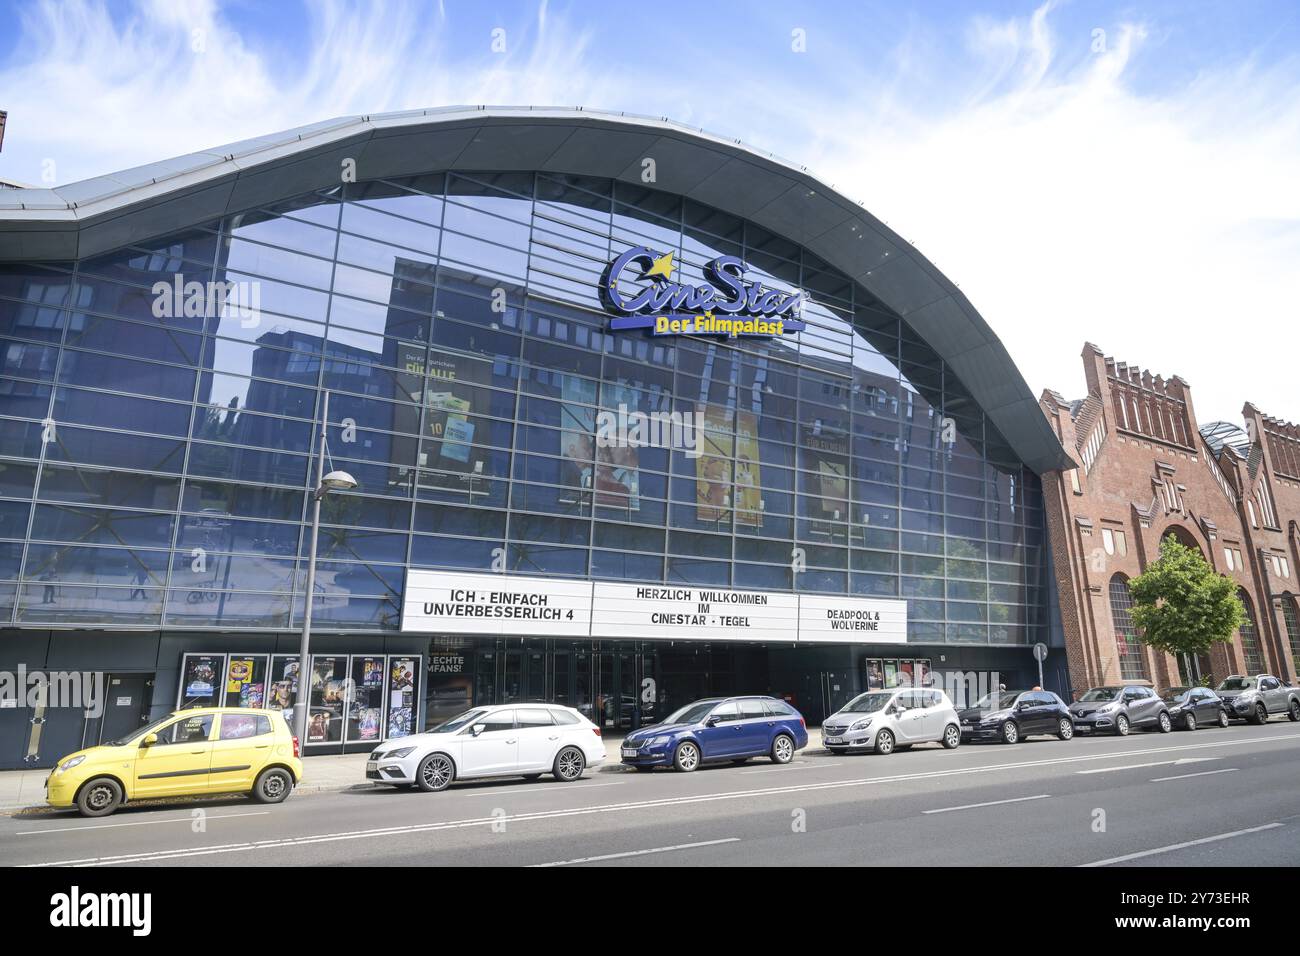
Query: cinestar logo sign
x=728 y=305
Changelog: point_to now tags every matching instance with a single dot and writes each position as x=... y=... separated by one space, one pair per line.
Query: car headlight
x=1110 y=708
x=70 y=763
x=399 y=753
x=994 y=717
x=861 y=724
x=659 y=741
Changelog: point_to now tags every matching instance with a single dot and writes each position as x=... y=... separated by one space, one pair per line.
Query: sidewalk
x=20 y=789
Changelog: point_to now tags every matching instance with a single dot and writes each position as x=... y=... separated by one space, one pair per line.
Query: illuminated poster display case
x=354 y=702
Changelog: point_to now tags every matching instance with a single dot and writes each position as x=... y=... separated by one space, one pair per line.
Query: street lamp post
x=325 y=483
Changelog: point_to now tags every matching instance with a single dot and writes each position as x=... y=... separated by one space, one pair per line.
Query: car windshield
x=1173 y=693
x=997 y=701
x=868 y=703
x=1237 y=683
x=1101 y=693
x=141 y=731
x=691 y=713
x=459 y=721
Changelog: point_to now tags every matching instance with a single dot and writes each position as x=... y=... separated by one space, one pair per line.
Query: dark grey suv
x=1119 y=708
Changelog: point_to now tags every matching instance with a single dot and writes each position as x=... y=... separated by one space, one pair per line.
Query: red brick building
x=1146 y=469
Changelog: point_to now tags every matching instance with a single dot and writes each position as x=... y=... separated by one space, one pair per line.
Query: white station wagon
x=507 y=740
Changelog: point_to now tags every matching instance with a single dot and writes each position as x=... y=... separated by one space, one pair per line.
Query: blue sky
x=1125 y=173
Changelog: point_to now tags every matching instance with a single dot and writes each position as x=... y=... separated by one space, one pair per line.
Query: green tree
x=1181 y=605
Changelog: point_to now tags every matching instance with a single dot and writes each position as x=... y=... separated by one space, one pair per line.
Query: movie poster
x=618 y=476
x=749 y=478
x=282 y=687
x=368 y=698
x=245 y=681
x=401 y=697
x=825 y=453
x=328 y=699
x=198 y=683
x=713 y=468
x=577 y=433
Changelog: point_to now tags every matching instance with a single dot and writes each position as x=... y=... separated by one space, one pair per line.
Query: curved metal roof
x=98 y=215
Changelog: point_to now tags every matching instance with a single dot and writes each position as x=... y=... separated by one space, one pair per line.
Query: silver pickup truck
x=1257 y=698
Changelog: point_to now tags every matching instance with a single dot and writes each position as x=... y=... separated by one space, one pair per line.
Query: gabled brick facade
x=1145 y=470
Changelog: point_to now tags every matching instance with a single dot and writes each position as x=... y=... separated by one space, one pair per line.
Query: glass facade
x=153 y=458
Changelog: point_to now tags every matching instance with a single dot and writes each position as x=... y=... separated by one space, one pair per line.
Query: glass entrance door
x=619 y=708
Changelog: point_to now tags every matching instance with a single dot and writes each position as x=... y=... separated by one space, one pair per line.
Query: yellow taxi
x=189 y=753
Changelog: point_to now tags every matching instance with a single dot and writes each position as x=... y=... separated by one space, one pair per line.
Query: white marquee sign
x=499 y=604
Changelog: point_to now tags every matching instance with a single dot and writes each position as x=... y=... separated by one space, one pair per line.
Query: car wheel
x=782 y=749
x=532 y=776
x=436 y=773
x=1010 y=732
x=1223 y=718
x=952 y=736
x=1261 y=714
x=273 y=785
x=1189 y=722
x=1065 y=728
x=687 y=757
x=99 y=797
x=569 y=764
x=1294 y=710
x=1166 y=724
x=884 y=743
x=1121 y=726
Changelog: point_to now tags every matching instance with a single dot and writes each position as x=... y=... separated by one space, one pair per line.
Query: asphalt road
x=1216 y=796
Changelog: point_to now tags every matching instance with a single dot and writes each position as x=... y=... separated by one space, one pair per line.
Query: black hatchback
x=1192 y=707
x=1014 y=715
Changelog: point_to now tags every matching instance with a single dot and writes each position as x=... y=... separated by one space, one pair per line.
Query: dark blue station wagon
x=720 y=728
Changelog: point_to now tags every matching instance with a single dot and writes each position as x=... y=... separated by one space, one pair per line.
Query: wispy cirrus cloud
x=1072 y=180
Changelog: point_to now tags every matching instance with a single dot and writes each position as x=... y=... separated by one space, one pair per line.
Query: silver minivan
x=889 y=720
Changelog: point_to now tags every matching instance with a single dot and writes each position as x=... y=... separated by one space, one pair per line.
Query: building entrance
x=619 y=685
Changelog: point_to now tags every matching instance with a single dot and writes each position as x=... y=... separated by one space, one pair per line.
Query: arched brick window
x=1254 y=662
x=1291 y=619
x=1131 y=654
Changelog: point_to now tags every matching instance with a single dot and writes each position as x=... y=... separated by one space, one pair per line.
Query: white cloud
x=96 y=94
x=1069 y=201
x=1070 y=207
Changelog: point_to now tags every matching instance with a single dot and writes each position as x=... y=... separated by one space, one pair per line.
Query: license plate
x=1083 y=728
x=629 y=752
x=371 y=766
x=834 y=740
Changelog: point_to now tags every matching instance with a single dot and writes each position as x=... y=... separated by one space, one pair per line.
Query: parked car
x=889 y=720
x=720 y=728
x=1257 y=698
x=205 y=750
x=1119 y=708
x=1014 y=715
x=512 y=740
x=1192 y=707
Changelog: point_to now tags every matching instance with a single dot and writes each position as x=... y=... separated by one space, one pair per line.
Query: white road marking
x=500 y=794
x=991 y=803
x=619 y=856
x=1184 y=776
x=1155 y=763
x=795 y=765
x=637 y=805
x=140 y=823
x=1181 y=846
